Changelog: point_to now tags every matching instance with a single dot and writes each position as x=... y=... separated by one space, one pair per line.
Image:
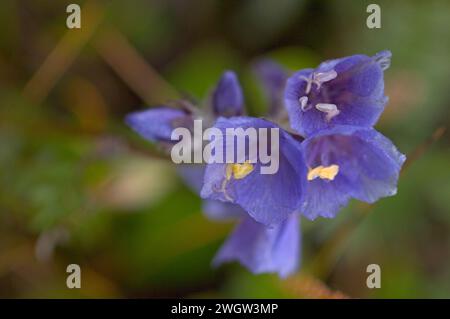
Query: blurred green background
x=77 y=186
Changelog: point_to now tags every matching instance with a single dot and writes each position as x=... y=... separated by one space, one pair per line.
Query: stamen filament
x=331 y=110
x=322 y=77
x=318 y=78
x=236 y=171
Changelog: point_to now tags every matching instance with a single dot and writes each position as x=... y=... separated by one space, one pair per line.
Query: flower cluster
x=330 y=154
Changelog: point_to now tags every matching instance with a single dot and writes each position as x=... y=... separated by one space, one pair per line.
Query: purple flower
x=348 y=91
x=268 y=198
x=264 y=249
x=348 y=162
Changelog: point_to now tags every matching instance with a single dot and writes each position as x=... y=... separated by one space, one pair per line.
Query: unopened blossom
x=227 y=98
x=348 y=162
x=156 y=124
x=348 y=91
x=272 y=77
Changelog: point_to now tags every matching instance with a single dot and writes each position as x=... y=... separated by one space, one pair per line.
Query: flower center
x=236 y=171
x=323 y=172
x=318 y=78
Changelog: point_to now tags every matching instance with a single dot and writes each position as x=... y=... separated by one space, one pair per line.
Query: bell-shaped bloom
x=348 y=162
x=346 y=91
x=264 y=249
x=227 y=98
x=270 y=187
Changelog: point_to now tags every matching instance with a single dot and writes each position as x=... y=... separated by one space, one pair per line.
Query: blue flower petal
x=157 y=124
x=192 y=175
x=264 y=249
x=273 y=79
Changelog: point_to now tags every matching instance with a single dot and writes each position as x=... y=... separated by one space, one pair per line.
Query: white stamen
x=318 y=78
x=303 y=102
x=322 y=77
x=331 y=110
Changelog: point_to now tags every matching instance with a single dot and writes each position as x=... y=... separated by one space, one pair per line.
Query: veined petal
x=264 y=249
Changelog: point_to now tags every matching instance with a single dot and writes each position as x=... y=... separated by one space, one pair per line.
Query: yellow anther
x=323 y=172
x=238 y=171
x=242 y=170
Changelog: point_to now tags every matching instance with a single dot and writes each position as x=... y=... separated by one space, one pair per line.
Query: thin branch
x=423 y=147
x=63 y=55
x=132 y=68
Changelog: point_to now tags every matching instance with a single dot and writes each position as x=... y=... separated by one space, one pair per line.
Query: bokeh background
x=77 y=186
